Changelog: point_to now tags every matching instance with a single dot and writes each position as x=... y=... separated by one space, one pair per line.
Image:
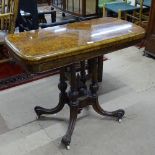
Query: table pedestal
x=78 y=97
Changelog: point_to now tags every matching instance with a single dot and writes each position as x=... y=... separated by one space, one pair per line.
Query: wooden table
x=63 y=46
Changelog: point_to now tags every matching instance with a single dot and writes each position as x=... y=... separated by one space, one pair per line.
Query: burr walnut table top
x=61 y=45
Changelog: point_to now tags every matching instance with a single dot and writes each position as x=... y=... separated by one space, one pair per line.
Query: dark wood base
x=150 y=46
x=78 y=97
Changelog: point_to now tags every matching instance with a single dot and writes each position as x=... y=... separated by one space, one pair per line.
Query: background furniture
x=147 y=3
x=8 y=14
x=144 y=9
x=138 y=14
x=81 y=8
x=29 y=17
x=101 y=5
x=150 y=37
x=31 y=8
x=121 y=9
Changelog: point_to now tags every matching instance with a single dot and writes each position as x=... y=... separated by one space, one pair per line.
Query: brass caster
x=119 y=120
x=68 y=147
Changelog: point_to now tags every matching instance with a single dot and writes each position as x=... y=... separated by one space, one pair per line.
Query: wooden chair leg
x=104 y=11
x=53 y=17
x=126 y=16
x=119 y=14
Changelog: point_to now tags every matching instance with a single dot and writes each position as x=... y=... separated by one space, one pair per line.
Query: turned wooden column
x=150 y=38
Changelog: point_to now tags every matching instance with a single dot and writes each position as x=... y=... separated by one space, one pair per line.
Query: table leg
x=94 y=88
x=100 y=68
x=74 y=107
x=66 y=140
x=74 y=100
x=63 y=97
x=82 y=87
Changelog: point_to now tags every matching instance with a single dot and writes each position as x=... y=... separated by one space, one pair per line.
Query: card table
x=64 y=46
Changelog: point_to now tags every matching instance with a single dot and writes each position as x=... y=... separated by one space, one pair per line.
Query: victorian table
x=64 y=46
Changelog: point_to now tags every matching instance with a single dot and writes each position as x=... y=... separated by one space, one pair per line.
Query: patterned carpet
x=11 y=74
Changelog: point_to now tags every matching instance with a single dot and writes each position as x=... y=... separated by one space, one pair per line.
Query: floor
x=128 y=83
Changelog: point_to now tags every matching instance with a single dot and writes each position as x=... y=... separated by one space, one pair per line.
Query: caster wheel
x=38 y=117
x=119 y=120
x=66 y=141
x=68 y=147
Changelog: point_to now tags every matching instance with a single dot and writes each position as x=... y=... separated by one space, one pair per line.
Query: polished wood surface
x=62 y=45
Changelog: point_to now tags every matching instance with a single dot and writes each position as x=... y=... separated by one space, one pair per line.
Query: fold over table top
x=62 y=45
